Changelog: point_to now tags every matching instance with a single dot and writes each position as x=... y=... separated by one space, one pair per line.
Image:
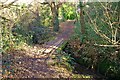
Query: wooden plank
x=53 y=47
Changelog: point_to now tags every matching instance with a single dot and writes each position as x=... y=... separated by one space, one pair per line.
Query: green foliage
x=101 y=16
x=67 y=11
x=42 y=34
x=78 y=32
x=17 y=30
x=5 y=39
x=100 y=59
x=11 y=39
x=22 y=35
x=46 y=16
x=65 y=60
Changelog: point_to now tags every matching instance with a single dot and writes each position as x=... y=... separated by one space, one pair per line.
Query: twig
x=5 y=18
x=102 y=45
x=8 y=5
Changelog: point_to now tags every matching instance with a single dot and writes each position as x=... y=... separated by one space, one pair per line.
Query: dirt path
x=28 y=64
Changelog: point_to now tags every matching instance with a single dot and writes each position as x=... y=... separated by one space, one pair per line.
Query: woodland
x=60 y=39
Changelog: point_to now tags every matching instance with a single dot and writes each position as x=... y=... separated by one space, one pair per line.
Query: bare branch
x=5 y=18
x=8 y=5
x=97 y=31
x=115 y=23
x=102 y=45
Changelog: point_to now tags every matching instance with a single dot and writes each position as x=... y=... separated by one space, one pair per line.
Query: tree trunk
x=82 y=29
x=82 y=23
x=55 y=19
